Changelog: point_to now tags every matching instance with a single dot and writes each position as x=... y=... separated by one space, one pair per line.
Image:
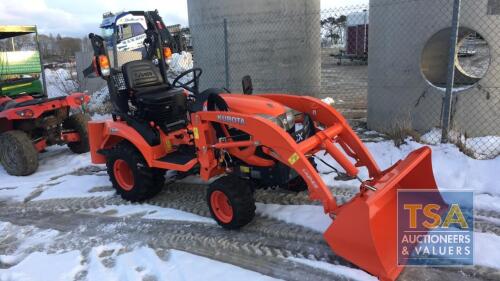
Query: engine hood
x=253 y=104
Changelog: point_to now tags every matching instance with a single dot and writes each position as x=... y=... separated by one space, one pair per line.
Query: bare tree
x=334 y=28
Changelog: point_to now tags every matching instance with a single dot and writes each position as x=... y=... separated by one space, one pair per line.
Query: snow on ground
x=309 y=216
x=151 y=212
x=329 y=101
x=176 y=265
x=35 y=267
x=452 y=169
x=30 y=238
x=59 y=82
x=100 y=102
x=72 y=186
x=482 y=147
x=56 y=161
x=101 y=117
x=487 y=249
x=113 y=262
x=312 y=217
x=348 y=272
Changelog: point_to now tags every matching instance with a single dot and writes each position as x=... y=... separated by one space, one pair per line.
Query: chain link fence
x=390 y=64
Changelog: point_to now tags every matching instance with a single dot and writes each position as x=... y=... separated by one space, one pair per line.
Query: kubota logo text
x=231 y=119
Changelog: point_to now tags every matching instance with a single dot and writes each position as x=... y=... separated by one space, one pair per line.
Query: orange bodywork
x=363 y=230
x=36 y=110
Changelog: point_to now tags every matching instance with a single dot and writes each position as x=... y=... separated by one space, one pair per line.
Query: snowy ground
x=67 y=214
x=66 y=223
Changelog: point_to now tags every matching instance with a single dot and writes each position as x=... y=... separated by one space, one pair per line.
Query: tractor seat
x=142 y=77
x=155 y=99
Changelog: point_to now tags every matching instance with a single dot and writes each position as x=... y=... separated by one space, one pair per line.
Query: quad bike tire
x=17 y=153
x=78 y=123
x=130 y=175
x=231 y=202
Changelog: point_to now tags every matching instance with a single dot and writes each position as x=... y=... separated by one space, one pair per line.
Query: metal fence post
x=44 y=80
x=447 y=103
x=226 y=54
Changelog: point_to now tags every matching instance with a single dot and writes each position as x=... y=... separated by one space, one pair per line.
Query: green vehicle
x=21 y=70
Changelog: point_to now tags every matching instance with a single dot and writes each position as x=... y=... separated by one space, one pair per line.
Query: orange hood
x=254 y=104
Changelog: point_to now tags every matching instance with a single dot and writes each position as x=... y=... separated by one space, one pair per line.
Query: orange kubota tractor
x=249 y=140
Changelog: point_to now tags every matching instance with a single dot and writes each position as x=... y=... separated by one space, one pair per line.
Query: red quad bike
x=250 y=141
x=28 y=125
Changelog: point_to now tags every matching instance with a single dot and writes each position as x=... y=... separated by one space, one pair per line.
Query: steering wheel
x=195 y=80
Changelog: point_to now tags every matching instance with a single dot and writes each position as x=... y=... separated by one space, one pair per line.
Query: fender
x=105 y=134
x=36 y=110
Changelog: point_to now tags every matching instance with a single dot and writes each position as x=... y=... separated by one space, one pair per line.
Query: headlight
x=273 y=119
x=285 y=120
x=290 y=118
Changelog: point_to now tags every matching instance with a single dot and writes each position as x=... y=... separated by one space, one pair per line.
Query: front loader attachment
x=365 y=229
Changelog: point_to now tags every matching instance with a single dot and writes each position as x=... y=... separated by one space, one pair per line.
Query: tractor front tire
x=231 y=202
x=17 y=153
x=130 y=175
x=78 y=123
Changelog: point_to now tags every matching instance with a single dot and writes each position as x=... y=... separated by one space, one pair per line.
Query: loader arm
x=280 y=145
x=363 y=230
x=327 y=116
x=263 y=132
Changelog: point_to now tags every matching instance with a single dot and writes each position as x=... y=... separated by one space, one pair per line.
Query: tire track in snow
x=246 y=248
x=191 y=198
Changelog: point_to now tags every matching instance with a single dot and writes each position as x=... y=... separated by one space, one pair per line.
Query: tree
x=334 y=28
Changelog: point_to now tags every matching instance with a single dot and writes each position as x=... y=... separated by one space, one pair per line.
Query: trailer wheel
x=78 y=123
x=130 y=175
x=231 y=202
x=17 y=153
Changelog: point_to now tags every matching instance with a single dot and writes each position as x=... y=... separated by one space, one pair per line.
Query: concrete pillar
x=277 y=42
x=399 y=93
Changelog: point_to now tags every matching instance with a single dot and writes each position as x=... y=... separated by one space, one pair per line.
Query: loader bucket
x=364 y=230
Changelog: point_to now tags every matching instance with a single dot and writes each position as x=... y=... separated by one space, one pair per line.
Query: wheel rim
x=221 y=206
x=123 y=174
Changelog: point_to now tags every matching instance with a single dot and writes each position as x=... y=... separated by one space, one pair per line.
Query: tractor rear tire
x=78 y=123
x=18 y=154
x=231 y=202
x=130 y=175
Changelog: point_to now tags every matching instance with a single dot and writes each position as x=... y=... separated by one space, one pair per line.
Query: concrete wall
x=277 y=42
x=399 y=92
